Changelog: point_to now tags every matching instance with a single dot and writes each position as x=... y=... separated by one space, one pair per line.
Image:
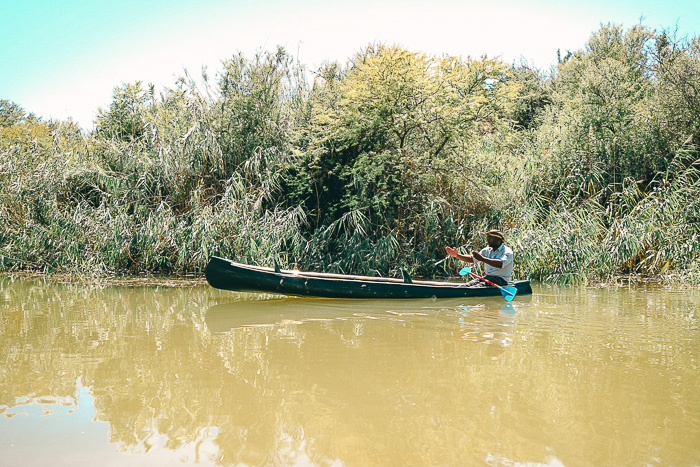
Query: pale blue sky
x=63 y=58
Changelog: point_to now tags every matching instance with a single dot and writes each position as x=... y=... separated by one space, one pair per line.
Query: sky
x=62 y=59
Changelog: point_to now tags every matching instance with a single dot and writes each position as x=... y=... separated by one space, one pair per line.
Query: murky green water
x=159 y=376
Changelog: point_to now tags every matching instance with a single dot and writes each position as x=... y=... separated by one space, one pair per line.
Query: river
x=153 y=375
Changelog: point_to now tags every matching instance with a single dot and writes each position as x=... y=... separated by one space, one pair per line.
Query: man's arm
x=496 y=263
x=453 y=252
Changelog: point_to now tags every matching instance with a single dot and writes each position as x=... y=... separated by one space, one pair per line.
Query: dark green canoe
x=228 y=275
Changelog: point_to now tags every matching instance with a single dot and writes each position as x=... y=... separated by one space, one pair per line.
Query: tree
x=533 y=98
x=12 y=114
x=24 y=131
x=407 y=100
x=385 y=129
x=601 y=129
x=256 y=104
x=676 y=64
x=124 y=119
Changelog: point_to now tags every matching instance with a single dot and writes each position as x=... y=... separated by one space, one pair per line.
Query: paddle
x=507 y=292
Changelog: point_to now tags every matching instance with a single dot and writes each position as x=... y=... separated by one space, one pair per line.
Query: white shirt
x=503 y=253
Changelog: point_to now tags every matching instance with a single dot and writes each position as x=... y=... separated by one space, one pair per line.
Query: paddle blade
x=508 y=293
x=465 y=270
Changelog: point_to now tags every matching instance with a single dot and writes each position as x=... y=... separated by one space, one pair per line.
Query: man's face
x=493 y=242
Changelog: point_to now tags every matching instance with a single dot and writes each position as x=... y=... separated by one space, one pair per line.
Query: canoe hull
x=228 y=275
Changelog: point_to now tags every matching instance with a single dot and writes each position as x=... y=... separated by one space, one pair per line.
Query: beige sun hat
x=496 y=234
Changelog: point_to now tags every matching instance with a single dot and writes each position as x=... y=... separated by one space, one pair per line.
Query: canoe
x=225 y=274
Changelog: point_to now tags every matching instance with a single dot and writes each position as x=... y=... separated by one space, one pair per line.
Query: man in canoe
x=497 y=259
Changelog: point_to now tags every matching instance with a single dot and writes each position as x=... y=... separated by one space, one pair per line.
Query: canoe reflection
x=229 y=315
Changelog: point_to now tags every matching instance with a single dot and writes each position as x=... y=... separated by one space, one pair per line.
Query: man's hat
x=496 y=234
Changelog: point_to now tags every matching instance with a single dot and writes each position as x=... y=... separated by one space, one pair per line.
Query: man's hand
x=452 y=251
x=496 y=263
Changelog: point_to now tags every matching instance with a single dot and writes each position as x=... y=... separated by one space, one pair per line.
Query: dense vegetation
x=591 y=170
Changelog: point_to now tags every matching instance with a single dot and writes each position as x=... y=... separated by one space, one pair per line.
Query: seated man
x=497 y=258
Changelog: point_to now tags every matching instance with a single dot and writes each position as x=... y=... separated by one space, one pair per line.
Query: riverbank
x=629 y=281
x=113 y=281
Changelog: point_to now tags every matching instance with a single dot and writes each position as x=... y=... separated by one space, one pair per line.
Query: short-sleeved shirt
x=503 y=253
